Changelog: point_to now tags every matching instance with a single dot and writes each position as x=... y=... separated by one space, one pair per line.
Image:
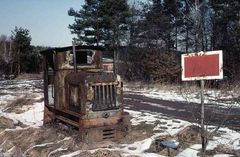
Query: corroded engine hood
x=87 y=77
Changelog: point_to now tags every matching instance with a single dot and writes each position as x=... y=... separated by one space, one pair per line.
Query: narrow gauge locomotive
x=82 y=90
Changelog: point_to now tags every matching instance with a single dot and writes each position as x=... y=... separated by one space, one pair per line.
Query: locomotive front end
x=84 y=95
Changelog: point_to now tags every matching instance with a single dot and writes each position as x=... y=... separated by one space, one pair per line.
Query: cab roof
x=68 y=48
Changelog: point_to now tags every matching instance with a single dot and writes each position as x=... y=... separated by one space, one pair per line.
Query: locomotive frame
x=80 y=89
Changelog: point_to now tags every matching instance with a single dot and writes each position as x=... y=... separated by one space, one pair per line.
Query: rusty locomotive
x=82 y=90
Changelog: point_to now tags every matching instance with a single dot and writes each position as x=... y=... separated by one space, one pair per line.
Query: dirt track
x=183 y=110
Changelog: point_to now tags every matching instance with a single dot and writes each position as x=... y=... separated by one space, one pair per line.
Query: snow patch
x=33 y=117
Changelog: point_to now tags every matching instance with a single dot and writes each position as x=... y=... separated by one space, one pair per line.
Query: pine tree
x=21 y=47
x=101 y=22
x=153 y=27
x=226 y=34
x=88 y=23
x=172 y=12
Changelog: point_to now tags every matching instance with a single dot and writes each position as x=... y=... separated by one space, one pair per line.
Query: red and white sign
x=202 y=65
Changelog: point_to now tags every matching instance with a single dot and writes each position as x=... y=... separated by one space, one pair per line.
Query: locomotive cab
x=82 y=90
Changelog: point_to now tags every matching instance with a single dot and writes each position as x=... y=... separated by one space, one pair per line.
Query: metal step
x=68 y=121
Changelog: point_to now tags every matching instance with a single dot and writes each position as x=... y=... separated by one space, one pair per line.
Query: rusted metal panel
x=48 y=116
x=97 y=59
x=60 y=85
x=107 y=132
x=45 y=79
x=108 y=67
x=100 y=121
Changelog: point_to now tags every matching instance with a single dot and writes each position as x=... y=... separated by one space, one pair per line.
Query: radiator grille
x=108 y=134
x=104 y=97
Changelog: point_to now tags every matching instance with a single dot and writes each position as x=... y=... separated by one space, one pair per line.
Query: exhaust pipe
x=74 y=56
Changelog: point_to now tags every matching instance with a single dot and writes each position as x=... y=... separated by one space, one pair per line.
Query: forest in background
x=17 y=55
x=148 y=37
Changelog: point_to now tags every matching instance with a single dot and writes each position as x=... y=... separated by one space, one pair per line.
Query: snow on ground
x=191 y=151
x=223 y=97
x=6 y=98
x=166 y=126
x=32 y=117
x=173 y=126
x=228 y=137
x=16 y=89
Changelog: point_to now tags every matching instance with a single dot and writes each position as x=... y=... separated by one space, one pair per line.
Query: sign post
x=202 y=66
x=202 y=117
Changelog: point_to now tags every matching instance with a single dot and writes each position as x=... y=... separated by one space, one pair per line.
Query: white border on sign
x=220 y=76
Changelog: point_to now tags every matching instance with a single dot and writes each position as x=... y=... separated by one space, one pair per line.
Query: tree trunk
x=176 y=37
x=5 y=49
x=187 y=38
x=187 y=27
x=18 y=63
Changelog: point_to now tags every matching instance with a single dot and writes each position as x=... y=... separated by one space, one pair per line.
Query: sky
x=47 y=20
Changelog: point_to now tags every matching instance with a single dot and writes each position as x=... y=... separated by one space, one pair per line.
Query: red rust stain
x=200 y=66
